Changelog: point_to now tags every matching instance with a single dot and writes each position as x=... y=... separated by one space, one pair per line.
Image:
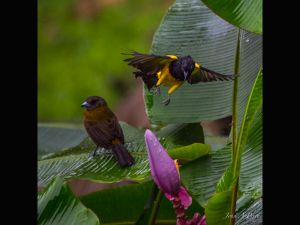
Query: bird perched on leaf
x=171 y=71
x=104 y=129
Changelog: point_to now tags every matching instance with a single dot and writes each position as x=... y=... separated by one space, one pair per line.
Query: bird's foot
x=94 y=153
x=166 y=101
x=155 y=91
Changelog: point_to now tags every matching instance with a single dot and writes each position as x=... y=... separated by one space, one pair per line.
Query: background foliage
x=79 y=46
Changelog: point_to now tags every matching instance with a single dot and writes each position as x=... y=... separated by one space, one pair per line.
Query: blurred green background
x=79 y=46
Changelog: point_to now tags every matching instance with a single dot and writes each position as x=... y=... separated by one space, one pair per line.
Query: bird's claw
x=155 y=91
x=93 y=154
x=166 y=101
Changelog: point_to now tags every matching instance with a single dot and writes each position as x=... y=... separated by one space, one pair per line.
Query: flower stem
x=234 y=127
x=155 y=208
x=148 y=206
x=180 y=211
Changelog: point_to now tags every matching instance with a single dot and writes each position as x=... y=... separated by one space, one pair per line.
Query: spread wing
x=148 y=63
x=206 y=75
x=105 y=131
x=148 y=66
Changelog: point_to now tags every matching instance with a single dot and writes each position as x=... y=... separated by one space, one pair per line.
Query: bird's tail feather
x=123 y=156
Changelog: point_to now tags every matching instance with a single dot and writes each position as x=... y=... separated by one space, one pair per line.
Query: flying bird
x=171 y=71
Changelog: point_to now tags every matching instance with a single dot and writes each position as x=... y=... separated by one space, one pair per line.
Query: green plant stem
x=155 y=208
x=233 y=202
x=235 y=95
x=234 y=126
x=148 y=206
x=152 y=196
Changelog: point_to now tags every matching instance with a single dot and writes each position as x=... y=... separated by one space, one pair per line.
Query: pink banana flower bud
x=165 y=174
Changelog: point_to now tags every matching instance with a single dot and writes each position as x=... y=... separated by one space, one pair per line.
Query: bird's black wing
x=148 y=66
x=206 y=75
x=146 y=62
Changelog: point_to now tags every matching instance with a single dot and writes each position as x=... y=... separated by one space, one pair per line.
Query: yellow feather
x=162 y=75
x=165 y=78
x=174 y=87
x=172 y=56
x=158 y=74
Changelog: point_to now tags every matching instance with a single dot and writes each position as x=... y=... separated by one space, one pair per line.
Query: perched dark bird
x=171 y=71
x=103 y=127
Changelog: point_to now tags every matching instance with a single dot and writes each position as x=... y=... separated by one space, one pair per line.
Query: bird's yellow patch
x=165 y=78
x=197 y=65
x=162 y=75
x=172 y=56
x=174 y=87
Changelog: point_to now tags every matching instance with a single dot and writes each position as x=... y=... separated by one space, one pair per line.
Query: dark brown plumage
x=104 y=129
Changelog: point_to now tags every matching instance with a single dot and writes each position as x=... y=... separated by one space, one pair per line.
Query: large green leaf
x=242 y=13
x=226 y=182
x=183 y=137
x=75 y=163
x=202 y=175
x=151 y=207
x=251 y=166
x=253 y=109
x=218 y=208
x=190 y=28
x=252 y=215
x=124 y=205
x=250 y=181
x=58 y=206
x=190 y=152
x=222 y=202
x=218 y=211
x=55 y=137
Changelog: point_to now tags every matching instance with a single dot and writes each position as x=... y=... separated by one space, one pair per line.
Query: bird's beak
x=197 y=65
x=85 y=105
